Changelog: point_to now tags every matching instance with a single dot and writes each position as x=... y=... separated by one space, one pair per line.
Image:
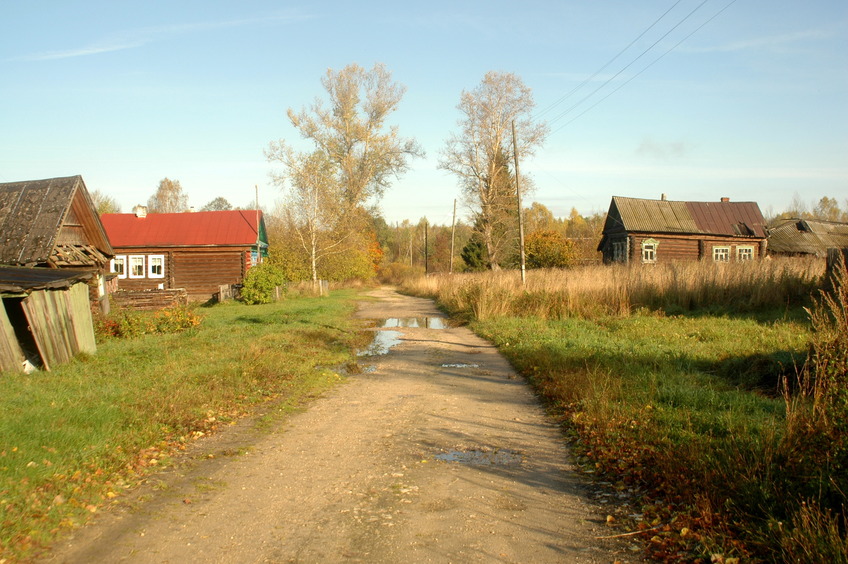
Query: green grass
x=683 y=412
x=73 y=438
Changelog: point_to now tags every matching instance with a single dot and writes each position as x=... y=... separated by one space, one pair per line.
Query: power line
x=628 y=65
x=625 y=83
x=608 y=63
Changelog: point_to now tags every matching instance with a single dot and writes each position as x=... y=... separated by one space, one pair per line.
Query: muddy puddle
x=416 y=322
x=382 y=343
x=501 y=457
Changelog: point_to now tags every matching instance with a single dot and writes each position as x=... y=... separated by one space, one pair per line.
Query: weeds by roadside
x=669 y=379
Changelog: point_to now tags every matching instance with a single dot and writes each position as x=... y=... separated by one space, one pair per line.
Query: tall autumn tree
x=481 y=153
x=355 y=156
x=169 y=198
x=104 y=203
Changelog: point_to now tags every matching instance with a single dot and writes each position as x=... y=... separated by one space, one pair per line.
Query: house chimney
x=725 y=199
x=140 y=211
x=663 y=197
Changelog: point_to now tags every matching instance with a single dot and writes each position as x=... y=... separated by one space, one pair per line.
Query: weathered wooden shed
x=653 y=231
x=45 y=318
x=807 y=237
x=197 y=251
x=52 y=223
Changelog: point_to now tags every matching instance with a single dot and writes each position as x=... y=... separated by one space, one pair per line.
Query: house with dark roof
x=807 y=237
x=52 y=223
x=196 y=251
x=640 y=231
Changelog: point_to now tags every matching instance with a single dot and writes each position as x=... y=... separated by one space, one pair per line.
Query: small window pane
x=136 y=266
x=649 y=252
x=156 y=266
x=119 y=266
x=721 y=254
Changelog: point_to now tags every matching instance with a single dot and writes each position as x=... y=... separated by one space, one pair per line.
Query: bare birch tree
x=314 y=207
x=356 y=156
x=481 y=152
x=169 y=198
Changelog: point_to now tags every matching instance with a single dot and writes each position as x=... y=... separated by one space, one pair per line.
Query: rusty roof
x=735 y=219
x=808 y=236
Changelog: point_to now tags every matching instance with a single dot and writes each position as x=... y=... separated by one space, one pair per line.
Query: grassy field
x=683 y=388
x=74 y=438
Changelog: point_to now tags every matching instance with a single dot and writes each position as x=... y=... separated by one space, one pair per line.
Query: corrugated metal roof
x=808 y=236
x=17 y=279
x=703 y=218
x=189 y=229
x=32 y=213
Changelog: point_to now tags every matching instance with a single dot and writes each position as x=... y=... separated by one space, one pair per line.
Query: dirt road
x=437 y=452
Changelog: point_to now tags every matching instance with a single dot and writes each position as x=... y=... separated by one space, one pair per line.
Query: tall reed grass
x=620 y=290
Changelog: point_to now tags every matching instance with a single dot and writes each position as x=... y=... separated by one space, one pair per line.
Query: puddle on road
x=416 y=322
x=501 y=457
x=382 y=343
x=460 y=365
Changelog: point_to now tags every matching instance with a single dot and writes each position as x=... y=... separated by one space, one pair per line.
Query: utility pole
x=453 y=233
x=426 y=250
x=518 y=197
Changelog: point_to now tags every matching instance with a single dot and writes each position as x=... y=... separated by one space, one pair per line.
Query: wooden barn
x=639 y=231
x=53 y=223
x=45 y=317
x=197 y=251
x=807 y=237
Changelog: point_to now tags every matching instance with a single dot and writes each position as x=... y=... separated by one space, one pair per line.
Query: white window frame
x=138 y=260
x=122 y=260
x=745 y=252
x=151 y=259
x=649 y=251
x=721 y=253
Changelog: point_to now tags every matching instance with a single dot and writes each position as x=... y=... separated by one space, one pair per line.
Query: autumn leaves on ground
x=716 y=405
x=77 y=437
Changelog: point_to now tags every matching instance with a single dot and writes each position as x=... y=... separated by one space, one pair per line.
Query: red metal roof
x=189 y=229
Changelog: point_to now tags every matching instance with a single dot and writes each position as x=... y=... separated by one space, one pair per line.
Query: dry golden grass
x=591 y=291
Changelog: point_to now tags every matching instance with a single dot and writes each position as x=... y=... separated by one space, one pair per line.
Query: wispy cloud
x=133 y=39
x=772 y=42
x=664 y=151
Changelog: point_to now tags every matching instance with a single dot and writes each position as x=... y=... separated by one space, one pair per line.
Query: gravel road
x=437 y=452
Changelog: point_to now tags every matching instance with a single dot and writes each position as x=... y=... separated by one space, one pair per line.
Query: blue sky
x=753 y=105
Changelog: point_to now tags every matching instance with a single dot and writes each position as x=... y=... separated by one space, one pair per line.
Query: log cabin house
x=197 y=251
x=52 y=223
x=639 y=231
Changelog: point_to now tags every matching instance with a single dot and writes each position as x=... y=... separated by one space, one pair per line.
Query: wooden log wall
x=149 y=299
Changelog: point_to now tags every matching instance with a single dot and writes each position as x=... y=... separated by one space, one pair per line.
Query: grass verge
x=74 y=438
x=705 y=394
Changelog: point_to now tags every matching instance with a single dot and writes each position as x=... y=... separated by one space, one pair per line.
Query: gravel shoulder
x=437 y=452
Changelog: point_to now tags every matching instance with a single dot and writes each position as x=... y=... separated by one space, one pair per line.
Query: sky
x=695 y=99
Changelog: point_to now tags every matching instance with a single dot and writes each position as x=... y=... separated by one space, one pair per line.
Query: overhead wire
x=608 y=63
x=652 y=63
x=628 y=65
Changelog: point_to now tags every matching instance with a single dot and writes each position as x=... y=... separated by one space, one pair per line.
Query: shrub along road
x=436 y=452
